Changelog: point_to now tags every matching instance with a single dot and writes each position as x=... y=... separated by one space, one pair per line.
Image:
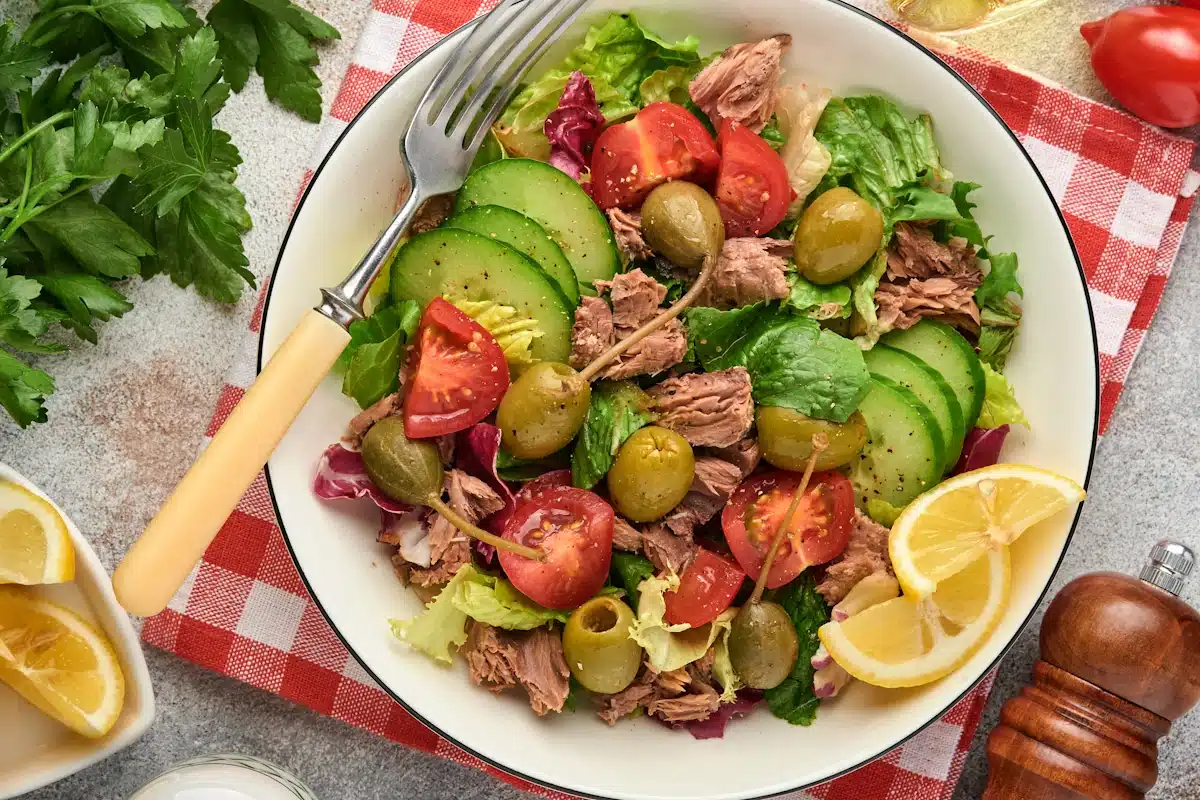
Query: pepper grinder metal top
x=1170 y=563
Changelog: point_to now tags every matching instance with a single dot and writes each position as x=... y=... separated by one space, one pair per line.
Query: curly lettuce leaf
x=441 y=628
x=670 y=647
x=999 y=314
x=1000 y=406
x=865 y=319
x=513 y=331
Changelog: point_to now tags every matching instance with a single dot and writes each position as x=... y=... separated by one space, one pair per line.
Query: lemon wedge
x=34 y=544
x=956 y=522
x=910 y=641
x=60 y=663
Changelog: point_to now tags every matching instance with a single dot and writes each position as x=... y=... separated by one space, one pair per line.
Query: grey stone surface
x=130 y=413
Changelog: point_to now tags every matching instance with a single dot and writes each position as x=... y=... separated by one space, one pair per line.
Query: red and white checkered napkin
x=1122 y=186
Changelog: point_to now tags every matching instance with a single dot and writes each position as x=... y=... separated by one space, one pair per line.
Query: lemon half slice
x=60 y=663
x=956 y=522
x=35 y=546
x=910 y=641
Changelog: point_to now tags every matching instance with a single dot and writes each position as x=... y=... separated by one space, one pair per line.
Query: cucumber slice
x=549 y=197
x=903 y=454
x=930 y=388
x=466 y=266
x=944 y=349
x=523 y=234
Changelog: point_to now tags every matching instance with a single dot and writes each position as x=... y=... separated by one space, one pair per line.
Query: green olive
x=785 y=438
x=836 y=236
x=763 y=645
x=681 y=222
x=652 y=473
x=543 y=410
x=597 y=646
x=408 y=470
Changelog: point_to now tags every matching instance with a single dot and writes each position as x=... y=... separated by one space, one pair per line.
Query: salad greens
x=793 y=362
x=1000 y=406
x=372 y=359
x=110 y=166
x=669 y=647
x=818 y=302
x=883 y=512
x=793 y=699
x=617 y=410
x=631 y=570
x=1000 y=316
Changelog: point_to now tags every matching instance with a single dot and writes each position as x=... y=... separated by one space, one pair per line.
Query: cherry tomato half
x=574 y=528
x=706 y=588
x=1149 y=58
x=664 y=142
x=548 y=480
x=458 y=374
x=753 y=191
x=820 y=525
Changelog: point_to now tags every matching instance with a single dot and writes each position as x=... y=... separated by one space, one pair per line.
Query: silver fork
x=447 y=130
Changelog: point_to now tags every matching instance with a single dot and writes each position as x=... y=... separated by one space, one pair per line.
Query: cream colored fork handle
x=157 y=564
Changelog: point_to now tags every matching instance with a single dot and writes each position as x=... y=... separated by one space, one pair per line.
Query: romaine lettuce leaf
x=865 y=321
x=670 y=647
x=631 y=570
x=513 y=331
x=792 y=361
x=1000 y=406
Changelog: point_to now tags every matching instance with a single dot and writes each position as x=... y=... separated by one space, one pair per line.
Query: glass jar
x=225 y=777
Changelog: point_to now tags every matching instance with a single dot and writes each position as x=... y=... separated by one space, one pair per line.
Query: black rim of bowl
x=1041 y=597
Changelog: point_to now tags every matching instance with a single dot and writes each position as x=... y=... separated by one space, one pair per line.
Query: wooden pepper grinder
x=1120 y=662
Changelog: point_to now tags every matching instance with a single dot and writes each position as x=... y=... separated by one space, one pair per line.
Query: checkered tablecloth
x=1125 y=188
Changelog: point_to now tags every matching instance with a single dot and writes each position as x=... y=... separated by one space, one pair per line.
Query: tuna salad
x=641 y=401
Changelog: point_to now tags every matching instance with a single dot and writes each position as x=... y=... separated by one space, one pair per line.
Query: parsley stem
x=48 y=122
x=21 y=219
x=40 y=22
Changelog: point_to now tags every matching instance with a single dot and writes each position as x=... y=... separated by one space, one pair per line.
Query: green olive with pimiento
x=785 y=438
x=597 y=646
x=542 y=410
x=681 y=222
x=652 y=473
x=763 y=645
x=837 y=234
x=407 y=470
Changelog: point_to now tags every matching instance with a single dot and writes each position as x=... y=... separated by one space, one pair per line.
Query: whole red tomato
x=1149 y=58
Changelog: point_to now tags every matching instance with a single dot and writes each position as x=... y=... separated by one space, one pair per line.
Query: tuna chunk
x=612 y=707
x=867 y=552
x=668 y=551
x=711 y=409
x=713 y=483
x=742 y=85
x=626 y=537
x=635 y=298
x=432 y=213
x=749 y=270
x=627 y=230
x=745 y=454
x=448 y=548
x=680 y=695
x=928 y=278
x=500 y=660
x=386 y=406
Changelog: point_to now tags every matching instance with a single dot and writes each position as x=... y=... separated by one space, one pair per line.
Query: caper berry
x=785 y=437
x=681 y=221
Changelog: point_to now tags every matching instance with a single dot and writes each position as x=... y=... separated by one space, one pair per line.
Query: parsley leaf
x=20 y=63
x=85 y=297
x=94 y=235
x=132 y=18
x=23 y=390
x=275 y=37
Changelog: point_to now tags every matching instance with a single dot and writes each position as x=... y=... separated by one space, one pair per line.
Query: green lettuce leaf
x=793 y=699
x=999 y=314
x=1000 y=406
x=670 y=647
x=618 y=408
x=624 y=54
x=723 y=669
x=631 y=570
x=863 y=285
x=441 y=628
x=792 y=361
x=668 y=85
x=818 y=302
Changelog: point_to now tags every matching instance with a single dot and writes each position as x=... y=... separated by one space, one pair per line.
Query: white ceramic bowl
x=1053 y=367
x=35 y=750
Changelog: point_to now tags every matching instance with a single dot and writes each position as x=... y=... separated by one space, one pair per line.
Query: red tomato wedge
x=548 y=480
x=664 y=142
x=706 y=588
x=574 y=528
x=458 y=373
x=753 y=191
x=820 y=525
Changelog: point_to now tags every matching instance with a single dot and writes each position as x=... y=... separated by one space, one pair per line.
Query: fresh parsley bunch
x=110 y=166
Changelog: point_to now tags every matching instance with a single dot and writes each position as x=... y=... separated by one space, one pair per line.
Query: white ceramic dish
x=1054 y=370
x=35 y=750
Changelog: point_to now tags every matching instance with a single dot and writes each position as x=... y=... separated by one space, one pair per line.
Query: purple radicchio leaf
x=714 y=726
x=573 y=126
x=981 y=449
x=476 y=449
x=342 y=475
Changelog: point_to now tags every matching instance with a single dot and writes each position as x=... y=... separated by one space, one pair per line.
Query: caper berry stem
x=458 y=521
x=681 y=305
x=819 y=443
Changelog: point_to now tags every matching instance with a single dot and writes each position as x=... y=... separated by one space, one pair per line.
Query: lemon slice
x=60 y=663
x=953 y=524
x=910 y=642
x=34 y=544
